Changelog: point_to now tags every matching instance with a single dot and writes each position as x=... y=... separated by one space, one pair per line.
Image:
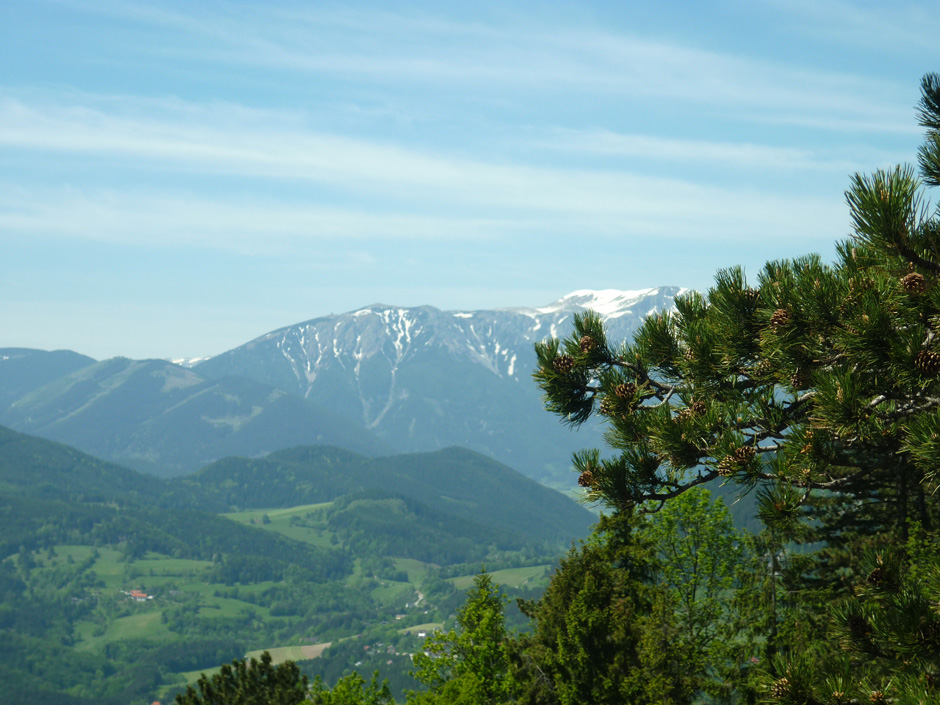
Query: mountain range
x=376 y=380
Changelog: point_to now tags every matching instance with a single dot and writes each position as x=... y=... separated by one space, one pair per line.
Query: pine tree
x=251 y=682
x=819 y=387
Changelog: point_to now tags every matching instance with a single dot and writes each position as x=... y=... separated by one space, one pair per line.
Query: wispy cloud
x=743 y=156
x=513 y=53
x=255 y=226
x=396 y=191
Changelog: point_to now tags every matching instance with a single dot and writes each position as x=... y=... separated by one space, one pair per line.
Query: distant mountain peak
x=424 y=379
x=609 y=303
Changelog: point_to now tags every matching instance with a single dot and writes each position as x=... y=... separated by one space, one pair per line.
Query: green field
x=427 y=627
x=512 y=577
x=284 y=521
x=416 y=570
x=146 y=625
x=281 y=654
x=189 y=603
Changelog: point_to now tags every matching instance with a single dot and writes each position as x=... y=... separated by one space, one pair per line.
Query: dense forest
x=815 y=388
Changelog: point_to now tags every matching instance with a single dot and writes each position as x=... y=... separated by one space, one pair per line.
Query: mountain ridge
x=378 y=379
x=429 y=378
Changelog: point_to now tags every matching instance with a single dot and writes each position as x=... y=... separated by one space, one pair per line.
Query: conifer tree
x=818 y=386
x=821 y=378
x=251 y=682
x=587 y=640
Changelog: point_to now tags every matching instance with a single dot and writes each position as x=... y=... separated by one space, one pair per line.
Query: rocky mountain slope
x=377 y=380
x=423 y=379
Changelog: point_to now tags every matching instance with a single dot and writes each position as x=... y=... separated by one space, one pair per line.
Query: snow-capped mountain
x=423 y=378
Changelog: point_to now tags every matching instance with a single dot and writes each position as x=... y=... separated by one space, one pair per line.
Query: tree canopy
x=818 y=387
x=815 y=378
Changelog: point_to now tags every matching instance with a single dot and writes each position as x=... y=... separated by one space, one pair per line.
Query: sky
x=178 y=178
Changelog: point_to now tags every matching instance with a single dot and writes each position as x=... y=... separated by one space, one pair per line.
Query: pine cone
x=586 y=479
x=608 y=406
x=780 y=688
x=914 y=283
x=877 y=697
x=751 y=295
x=780 y=318
x=927 y=362
x=564 y=364
x=625 y=390
x=876 y=577
x=728 y=465
x=800 y=379
x=763 y=369
x=586 y=344
x=695 y=408
x=689 y=355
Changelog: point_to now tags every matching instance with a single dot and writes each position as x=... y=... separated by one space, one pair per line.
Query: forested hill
x=50 y=493
x=37 y=467
x=349 y=541
x=454 y=481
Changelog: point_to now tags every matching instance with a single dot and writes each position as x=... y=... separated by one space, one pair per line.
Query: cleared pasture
x=511 y=577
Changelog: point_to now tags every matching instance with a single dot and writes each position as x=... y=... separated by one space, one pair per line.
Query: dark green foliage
x=461 y=483
x=469 y=664
x=586 y=645
x=247 y=553
x=41 y=468
x=35 y=669
x=252 y=683
x=818 y=387
x=344 y=659
x=929 y=154
x=352 y=690
x=378 y=522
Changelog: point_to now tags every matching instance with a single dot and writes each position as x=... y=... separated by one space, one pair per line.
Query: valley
x=117 y=587
x=326 y=492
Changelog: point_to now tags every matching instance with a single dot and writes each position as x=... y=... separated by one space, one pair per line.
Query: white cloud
x=392 y=191
x=514 y=52
x=739 y=155
x=248 y=226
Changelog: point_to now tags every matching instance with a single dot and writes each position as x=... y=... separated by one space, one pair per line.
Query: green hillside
x=366 y=563
x=23 y=369
x=169 y=420
x=455 y=481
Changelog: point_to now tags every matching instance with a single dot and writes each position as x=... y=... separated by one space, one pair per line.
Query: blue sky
x=177 y=178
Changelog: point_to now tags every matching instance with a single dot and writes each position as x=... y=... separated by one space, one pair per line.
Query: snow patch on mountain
x=382 y=363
